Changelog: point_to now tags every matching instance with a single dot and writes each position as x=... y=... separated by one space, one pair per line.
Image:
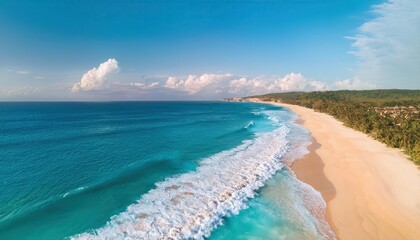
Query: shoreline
x=371 y=190
x=309 y=169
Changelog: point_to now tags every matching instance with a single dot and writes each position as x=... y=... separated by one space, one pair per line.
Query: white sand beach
x=372 y=191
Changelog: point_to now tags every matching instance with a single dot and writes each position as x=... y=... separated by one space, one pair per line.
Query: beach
x=371 y=190
x=182 y=170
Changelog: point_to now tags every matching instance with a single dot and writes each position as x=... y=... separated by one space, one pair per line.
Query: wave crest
x=191 y=205
x=250 y=124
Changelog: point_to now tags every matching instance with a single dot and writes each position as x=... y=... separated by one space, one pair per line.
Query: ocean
x=145 y=170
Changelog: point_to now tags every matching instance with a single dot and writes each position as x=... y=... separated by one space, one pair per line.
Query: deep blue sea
x=145 y=170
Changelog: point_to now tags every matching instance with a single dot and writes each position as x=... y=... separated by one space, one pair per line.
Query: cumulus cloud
x=388 y=45
x=229 y=84
x=297 y=82
x=204 y=86
x=248 y=86
x=194 y=84
x=289 y=82
x=97 y=78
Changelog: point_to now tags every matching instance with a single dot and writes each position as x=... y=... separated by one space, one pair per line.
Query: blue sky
x=166 y=50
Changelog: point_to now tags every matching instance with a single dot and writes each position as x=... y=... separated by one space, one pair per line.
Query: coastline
x=309 y=169
x=370 y=189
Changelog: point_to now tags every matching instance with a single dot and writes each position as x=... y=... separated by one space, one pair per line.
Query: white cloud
x=289 y=82
x=388 y=45
x=204 y=86
x=194 y=84
x=145 y=85
x=248 y=86
x=297 y=82
x=229 y=84
x=352 y=84
x=96 y=78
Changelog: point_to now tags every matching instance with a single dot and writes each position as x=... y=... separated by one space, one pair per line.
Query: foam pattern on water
x=192 y=204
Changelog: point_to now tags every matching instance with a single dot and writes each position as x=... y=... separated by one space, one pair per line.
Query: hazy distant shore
x=371 y=190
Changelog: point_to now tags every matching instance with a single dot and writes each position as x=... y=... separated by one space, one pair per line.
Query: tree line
x=390 y=116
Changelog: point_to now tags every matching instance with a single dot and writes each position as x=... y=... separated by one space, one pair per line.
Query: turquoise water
x=67 y=169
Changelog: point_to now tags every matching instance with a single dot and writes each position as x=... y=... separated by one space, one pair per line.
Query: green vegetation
x=390 y=116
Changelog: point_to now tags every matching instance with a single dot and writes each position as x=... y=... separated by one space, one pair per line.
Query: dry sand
x=372 y=191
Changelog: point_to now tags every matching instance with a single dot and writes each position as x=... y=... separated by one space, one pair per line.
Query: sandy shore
x=372 y=191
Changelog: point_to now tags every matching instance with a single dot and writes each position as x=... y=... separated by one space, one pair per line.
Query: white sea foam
x=311 y=207
x=73 y=191
x=249 y=124
x=313 y=201
x=192 y=204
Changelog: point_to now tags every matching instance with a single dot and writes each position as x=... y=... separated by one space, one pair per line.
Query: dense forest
x=390 y=116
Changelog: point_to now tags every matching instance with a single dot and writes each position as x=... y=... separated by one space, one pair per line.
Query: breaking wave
x=191 y=205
